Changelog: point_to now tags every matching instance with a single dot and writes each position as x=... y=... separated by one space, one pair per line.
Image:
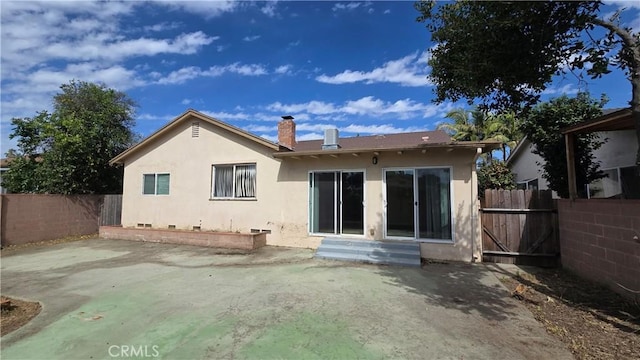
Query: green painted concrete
x=182 y=302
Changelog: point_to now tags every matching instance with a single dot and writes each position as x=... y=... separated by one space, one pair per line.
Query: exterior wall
x=282 y=200
x=617 y=149
x=27 y=218
x=525 y=166
x=600 y=240
x=614 y=153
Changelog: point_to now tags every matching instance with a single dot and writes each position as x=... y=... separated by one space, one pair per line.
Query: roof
x=611 y=120
x=517 y=150
x=189 y=115
x=388 y=142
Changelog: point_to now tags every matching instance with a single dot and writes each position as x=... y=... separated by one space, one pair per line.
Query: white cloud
x=629 y=4
x=410 y=70
x=185 y=101
x=251 y=38
x=206 y=9
x=568 y=89
x=269 y=8
x=284 y=69
x=387 y=11
x=182 y=75
x=350 y=6
x=366 y=106
x=164 y=26
x=309 y=136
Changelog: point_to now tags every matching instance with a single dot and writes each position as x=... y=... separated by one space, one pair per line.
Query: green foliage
x=495 y=175
x=478 y=125
x=542 y=127
x=504 y=54
x=68 y=151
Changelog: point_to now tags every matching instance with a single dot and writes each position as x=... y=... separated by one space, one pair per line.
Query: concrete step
x=370 y=243
x=368 y=250
x=371 y=260
x=377 y=252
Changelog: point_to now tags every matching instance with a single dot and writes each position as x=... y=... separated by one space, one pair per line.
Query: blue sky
x=357 y=66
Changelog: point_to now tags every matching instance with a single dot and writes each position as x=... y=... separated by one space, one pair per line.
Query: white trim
x=337 y=225
x=415 y=210
x=155 y=183
x=234 y=198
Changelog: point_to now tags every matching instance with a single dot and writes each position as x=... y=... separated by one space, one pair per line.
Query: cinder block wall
x=600 y=240
x=26 y=218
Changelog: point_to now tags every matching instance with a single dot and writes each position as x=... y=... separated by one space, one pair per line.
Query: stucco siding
x=282 y=190
x=618 y=149
x=525 y=167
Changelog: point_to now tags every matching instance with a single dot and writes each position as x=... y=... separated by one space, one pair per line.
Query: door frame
x=415 y=207
x=337 y=222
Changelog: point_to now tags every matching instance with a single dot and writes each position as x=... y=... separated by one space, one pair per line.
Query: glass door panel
x=352 y=185
x=400 y=219
x=434 y=204
x=323 y=205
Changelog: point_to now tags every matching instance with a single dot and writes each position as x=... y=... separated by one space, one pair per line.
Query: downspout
x=474 y=200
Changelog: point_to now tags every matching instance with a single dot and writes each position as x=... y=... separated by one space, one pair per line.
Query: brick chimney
x=287 y=132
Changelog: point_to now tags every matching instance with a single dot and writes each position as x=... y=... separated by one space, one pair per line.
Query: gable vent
x=195 y=129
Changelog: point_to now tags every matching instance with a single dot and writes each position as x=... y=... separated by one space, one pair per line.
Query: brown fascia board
x=200 y=116
x=585 y=126
x=458 y=144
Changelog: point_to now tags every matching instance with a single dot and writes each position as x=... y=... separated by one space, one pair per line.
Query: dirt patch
x=16 y=313
x=12 y=248
x=593 y=321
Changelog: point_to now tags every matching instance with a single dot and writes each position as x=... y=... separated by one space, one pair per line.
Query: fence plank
x=111 y=211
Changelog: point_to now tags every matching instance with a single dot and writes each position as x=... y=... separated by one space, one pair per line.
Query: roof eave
x=451 y=145
x=587 y=125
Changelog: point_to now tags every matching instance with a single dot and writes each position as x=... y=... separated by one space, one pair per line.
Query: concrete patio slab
x=115 y=299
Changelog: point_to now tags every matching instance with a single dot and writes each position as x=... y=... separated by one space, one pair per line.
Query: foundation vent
x=171 y=226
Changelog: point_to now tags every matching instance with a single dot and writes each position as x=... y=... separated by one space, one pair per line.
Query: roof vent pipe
x=330 y=139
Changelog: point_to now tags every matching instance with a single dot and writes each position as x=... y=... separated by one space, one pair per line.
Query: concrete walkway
x=114 y=299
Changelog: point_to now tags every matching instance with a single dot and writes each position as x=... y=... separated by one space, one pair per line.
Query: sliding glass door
x=400 y=203
x=418 y=203
x=336 y=202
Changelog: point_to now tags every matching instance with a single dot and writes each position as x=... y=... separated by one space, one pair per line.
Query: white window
x=156 y=184
x=528 y=185
x=617 y=183
x=234 y=181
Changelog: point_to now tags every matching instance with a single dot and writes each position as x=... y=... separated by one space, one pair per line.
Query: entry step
x=369 y=251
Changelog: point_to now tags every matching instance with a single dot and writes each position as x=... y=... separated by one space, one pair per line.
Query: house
x=197 y=172
x=616 y=157
x=4 y=166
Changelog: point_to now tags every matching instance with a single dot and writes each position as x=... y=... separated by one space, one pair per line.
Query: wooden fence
x=520 y=227
x=111 y=210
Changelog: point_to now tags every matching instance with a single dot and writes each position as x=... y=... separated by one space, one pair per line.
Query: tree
x=465 y=125
x=542 y=127
x=504 y=54
x=68 y=150
x=495 y=175
x=505 y=128
x=477 y=125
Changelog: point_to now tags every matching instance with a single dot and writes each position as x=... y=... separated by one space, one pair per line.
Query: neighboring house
x=197 y=172
x=4 y=166
x=616 y=157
